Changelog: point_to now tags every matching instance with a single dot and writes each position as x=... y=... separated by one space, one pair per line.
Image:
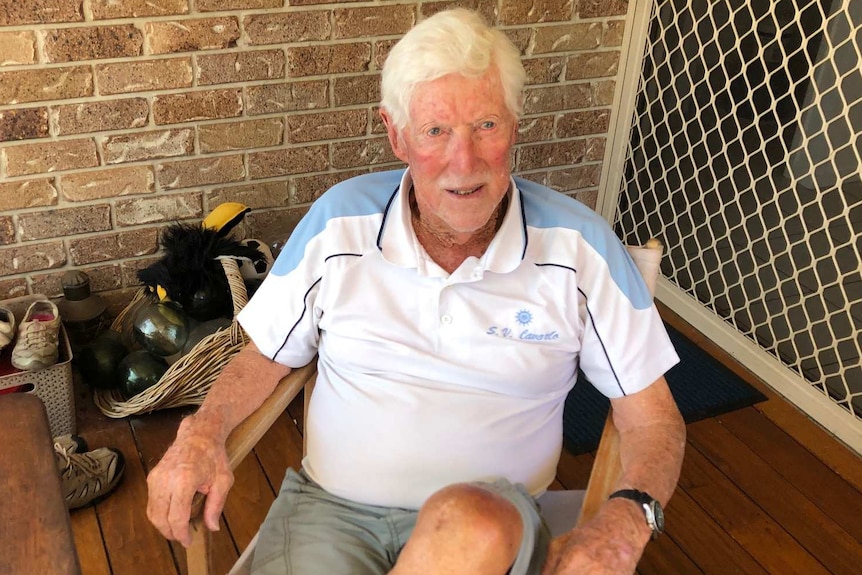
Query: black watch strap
x=653 y=512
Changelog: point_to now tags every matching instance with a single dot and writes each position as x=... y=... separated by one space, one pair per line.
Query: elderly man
x=449 y=306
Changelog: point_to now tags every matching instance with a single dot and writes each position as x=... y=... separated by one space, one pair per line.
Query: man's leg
x=481 y=529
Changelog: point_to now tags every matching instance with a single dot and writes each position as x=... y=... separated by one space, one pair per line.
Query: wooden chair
x=559 y=508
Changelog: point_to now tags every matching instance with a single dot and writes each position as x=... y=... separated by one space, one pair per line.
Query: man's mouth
x=464 y=191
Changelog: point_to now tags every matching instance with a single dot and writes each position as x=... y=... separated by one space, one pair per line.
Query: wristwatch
x=652 y=509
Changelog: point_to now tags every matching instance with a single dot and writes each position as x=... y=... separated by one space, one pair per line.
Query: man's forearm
x=243 y=385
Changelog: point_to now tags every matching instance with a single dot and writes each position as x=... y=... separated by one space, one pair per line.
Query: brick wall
x=118 y=117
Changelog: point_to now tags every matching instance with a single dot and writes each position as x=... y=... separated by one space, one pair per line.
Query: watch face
x=658 y=514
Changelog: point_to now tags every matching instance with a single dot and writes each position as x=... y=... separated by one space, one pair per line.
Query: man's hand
x=196 y=462
x=610 y=544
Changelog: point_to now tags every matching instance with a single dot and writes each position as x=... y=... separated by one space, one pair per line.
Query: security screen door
x=744 y=158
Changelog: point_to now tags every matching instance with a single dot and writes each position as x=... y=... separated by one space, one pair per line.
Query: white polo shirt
x=427 y=378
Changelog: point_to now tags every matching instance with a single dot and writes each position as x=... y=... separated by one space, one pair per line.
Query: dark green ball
x=99 y=359
x=161 y=328
x=138 y=371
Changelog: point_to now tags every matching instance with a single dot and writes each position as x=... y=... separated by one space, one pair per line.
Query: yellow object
x=225 y=216
x=163 y=295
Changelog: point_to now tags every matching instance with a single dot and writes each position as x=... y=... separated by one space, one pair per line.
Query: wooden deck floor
x=763 y=491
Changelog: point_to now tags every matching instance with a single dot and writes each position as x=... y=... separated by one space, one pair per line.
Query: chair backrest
x=605 y=473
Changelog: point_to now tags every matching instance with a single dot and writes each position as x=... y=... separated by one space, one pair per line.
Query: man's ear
x=395 y=141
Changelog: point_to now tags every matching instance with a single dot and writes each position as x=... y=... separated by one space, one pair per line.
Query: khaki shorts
x=311 y=532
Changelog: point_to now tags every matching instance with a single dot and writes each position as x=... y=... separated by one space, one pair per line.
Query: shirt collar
x=400 y=246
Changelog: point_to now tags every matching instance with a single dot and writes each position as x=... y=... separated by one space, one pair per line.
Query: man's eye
x=434 y=131
x=488 y=125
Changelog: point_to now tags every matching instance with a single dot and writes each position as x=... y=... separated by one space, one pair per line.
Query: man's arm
x=196 y=461
x=652 y=444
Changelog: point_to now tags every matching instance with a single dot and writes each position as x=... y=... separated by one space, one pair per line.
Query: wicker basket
x=187 y=381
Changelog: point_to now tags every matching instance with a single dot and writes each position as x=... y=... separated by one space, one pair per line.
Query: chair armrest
x=246 y=435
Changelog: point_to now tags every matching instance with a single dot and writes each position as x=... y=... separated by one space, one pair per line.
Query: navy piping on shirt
x=589 y=313
x=385 y=215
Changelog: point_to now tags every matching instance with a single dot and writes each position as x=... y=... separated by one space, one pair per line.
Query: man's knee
x=476 y=515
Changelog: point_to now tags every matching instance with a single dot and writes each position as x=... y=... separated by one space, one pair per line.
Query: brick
x=614 y=31
x=114 y=246
x=99 y=116
x=239 y=67
x=354 y=90
x=108 y=9
x=583 y=123
x=261 y=133
x=381 y=50
x=144 y=76
x=306 y=189
x=595 y=149
x=92 y=43
x=159 y=209
x=45 y=84
x=51 y=157
x=368 y=152
x=11 y=288
x=27 y=194
x=217 y=5
x=328 y=59
x=101 y=278
x=373 y=21
x=556 y=98
x=23 y=124
x=108 y=183
x=520 y=37
x=567 y=37
x=64 y=222
x=546 y=155
x=200 y=172
x=196 y=106
x=544 y=70
x=286 y=97
x=16 y=12
x=521 y=12
x=23 y=259
x=604 y=93
x=274 y=225
x=592 y=65
x=535 y=129
x=129 y=270
x=286 y=162
x=17 y=48
x=257 y=195
x=487 y=8
x=575 y=177
x=7 y=230
x=191 y=35
x=287 y=27
x=148 y=145
x=327 y=125
x=589 y=198
x=599 y=8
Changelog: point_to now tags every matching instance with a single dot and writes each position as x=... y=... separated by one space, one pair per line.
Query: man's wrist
x=629 y=517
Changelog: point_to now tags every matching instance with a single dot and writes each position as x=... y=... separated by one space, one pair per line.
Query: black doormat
x=702 y=387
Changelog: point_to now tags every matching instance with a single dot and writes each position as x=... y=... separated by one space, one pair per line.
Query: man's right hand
x=196 y=462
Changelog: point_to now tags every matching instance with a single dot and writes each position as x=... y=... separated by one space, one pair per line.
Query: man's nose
x=464 y=152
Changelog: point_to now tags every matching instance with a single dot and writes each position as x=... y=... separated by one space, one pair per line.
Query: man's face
x=457 y=143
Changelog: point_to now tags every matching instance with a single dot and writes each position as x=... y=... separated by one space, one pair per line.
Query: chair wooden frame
x=605 y=473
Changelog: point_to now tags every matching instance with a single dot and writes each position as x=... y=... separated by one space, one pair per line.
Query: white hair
x=456 y=41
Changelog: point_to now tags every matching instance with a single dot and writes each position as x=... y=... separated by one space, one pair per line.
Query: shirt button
x=446 y=319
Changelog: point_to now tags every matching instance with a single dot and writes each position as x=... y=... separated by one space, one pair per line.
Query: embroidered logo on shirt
x=523 y=318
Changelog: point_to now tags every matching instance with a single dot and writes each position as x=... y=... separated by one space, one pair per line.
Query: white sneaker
x=7 y=327
x=38 y=337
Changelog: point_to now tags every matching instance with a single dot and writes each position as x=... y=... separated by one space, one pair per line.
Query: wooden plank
x=280 y=448
x=785 y=415
x=775 y=549
x=829 y=491
x=573 y=471
x=664 y=557
x=88 y=541
x=248 y=502
x=814 y=530
x=702 y=539
x=154 y=433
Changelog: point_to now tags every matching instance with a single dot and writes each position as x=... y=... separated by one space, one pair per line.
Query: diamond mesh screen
x=744 y=158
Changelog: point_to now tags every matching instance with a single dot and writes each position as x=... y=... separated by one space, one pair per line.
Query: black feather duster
x=190 y=273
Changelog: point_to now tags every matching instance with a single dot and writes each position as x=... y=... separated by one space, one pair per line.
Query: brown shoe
x=38 y=337
x=88 y=477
